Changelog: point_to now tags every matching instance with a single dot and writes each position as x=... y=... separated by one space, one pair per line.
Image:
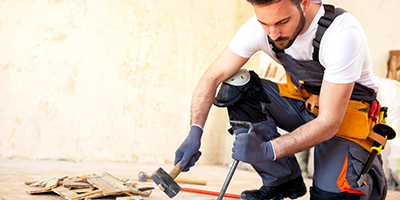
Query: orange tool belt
x=358 y=121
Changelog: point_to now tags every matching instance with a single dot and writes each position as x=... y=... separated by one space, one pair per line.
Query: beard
x=285 y=42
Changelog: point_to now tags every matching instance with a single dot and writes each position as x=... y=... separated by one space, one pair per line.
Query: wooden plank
x=52 y=184
x=130 y=198
x=94 y=196
x=82 y=190
x=81 y=196
x=29 y=182
x=74 y=184
x=125 y=179
x=131 y=184
x=117 y=183
x=104 y=186
x=80 y=178
x=136 y=191
x=65 y=192
x=36 y=190
x=44 y=182
x=144 y=194
x=71 y=195
x=393 y=71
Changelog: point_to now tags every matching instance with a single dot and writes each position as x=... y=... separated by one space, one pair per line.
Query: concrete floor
x=14 y=172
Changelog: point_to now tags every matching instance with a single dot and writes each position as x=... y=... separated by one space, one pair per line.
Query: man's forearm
x=227 y=64
x=332 y=107
x=202 y=99
x=303 y=138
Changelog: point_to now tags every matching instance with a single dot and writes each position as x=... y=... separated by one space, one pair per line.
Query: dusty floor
x=14 y=172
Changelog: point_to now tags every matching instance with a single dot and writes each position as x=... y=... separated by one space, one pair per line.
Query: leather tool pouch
x=355 y=125
x=289 y=90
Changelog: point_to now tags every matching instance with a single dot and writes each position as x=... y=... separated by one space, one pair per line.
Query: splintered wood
x=88 y=187
x=393 y=71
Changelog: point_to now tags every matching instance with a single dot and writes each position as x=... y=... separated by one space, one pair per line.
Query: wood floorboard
x=14 y=172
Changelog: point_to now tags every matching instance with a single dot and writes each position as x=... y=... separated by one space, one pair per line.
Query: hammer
x=143 y=176
x=235 y=162
x=166 y=182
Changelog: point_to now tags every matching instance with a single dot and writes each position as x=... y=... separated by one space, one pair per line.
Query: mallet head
x=142 y=176
x=165 y=182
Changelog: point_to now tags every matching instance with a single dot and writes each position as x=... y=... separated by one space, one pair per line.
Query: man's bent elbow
x=330 y=128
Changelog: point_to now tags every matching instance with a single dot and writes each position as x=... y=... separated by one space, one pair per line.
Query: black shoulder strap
x=324 y=22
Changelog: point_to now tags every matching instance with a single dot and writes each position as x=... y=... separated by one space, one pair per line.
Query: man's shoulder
x=345 y=20
x=344 y=24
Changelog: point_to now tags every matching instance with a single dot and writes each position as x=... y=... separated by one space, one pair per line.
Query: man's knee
x=243 y=98
x=318 y=194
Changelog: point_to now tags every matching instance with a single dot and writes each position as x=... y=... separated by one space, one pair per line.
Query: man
x=325 y=102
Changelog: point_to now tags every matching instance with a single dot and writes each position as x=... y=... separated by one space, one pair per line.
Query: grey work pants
x=330 y=156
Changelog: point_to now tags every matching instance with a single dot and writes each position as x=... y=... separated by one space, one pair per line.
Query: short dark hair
x=267 y=2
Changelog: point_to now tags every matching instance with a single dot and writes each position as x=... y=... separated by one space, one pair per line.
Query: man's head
x=267 y=2
x=283 y=20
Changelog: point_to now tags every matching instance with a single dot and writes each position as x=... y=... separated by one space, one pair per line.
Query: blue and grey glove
x=249 y=149
x=188 y=153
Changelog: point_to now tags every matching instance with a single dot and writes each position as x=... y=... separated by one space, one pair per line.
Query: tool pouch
x=289 y=90
x=355 y=125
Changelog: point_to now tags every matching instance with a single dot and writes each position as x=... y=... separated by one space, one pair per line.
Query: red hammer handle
x=236 y=196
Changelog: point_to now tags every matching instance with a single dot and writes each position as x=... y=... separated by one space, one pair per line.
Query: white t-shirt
x=343 y=50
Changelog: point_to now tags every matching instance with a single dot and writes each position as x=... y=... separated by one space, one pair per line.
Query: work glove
x=188 y=153
x=249 y=149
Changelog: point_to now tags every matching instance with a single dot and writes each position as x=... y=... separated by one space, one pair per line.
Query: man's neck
x=314 y=8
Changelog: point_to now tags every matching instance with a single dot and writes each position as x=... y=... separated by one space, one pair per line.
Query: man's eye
x=284 y=22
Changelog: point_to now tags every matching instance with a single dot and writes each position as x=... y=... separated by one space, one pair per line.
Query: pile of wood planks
x=88 y=187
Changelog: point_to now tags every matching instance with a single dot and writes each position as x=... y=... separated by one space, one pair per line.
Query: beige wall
x=112 y=80
x=108 y=80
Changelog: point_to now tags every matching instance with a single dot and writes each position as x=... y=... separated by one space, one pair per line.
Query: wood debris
x=88 y=187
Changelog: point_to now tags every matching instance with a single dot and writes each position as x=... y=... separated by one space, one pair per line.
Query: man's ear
x=305 y=5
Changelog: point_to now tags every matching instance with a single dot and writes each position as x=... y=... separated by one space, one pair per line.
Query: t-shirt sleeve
x=247 y=40
x=343 y=55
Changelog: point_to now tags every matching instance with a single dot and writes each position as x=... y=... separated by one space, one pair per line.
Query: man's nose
x=274 y=33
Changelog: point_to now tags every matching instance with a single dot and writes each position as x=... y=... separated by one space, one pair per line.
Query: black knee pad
x=247 y=110
x=244 y=102
x=318 y=194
